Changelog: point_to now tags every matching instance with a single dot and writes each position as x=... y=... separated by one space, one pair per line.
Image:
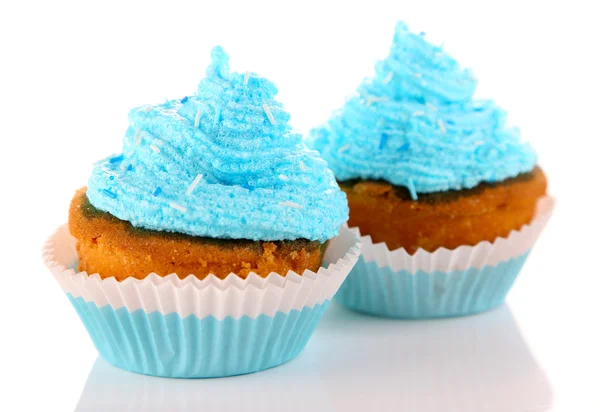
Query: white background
x=69 y=73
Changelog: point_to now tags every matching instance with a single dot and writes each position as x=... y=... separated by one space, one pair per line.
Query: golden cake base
x=443 y=219
x=113 y=247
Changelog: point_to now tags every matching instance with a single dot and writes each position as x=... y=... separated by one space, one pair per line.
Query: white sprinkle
x=246 y=78
x=431 y=106
x=284 y=177
x=373 y=99
x=440 y=123
x=269 y=114
x=291 y=204
x=479 y=143
x=419 y=113
x=193 y=185
x=156 y=149
x=103 y=160
x=388 y=78
x=124 y=166
x=148 y=108
x=110 y=172
x=178 y=207
x=411 y=189
x=197 y=119
x=418 y=75
x=138 y=137
x=344 y=148
x=302 y=166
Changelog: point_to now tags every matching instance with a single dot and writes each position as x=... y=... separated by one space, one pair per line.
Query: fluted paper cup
x=444 y=283
x=191 y=328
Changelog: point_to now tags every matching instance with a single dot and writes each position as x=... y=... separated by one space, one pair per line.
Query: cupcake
x=212 y=244
x=448 y=199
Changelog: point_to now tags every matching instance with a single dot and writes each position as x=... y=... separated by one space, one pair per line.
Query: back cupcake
x=438 y=178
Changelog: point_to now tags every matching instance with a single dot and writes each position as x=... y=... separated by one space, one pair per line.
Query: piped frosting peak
x=416 y=124
x=222 y=163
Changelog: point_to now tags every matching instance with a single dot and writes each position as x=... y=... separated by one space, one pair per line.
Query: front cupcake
x=448 y=197
x=206 y=236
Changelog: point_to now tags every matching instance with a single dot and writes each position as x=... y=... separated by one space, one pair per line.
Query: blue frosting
x=416 y=124
x=222 y=163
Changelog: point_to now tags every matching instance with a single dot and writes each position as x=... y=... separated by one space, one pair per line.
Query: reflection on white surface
x=357 y=362
x=296 y=388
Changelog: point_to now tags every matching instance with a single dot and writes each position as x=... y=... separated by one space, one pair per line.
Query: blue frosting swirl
x=222 y=163
x=416 y=124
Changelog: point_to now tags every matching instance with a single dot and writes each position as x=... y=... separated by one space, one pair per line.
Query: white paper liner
x=483 y=254
x=232 y=296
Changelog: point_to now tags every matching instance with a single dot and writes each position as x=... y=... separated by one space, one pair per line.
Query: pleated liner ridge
x=445 y=283
x=191 y=328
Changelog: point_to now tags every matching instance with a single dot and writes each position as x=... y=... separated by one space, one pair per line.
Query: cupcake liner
x=191 y=328
x=443 y=283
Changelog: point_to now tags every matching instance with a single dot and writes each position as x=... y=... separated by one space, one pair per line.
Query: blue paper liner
x=175 y=347
x=193 y=328
x=382 y=291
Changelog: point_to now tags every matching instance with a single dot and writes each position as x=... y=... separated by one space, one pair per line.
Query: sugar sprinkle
x=388 y=78
x=302 y=166
x=284 y=177
x=418 y=113
x=288 y=203
x=373 y=99
x=411 y=189
x=246 y=78
x=156 y=149
x=431 y=106
x=138 y=136
x=96 y=163
x=192 y=186
x=418 y=75
x=157 y=191
x=267 y=110
x=116 y=159
x=442 y=126
x=344 y=148
x=197 y=119
x=383 y=140
x=109 y=172
x=404 y=147
x=174 y=205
